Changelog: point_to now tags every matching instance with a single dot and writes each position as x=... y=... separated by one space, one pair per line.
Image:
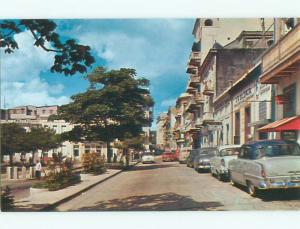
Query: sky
x=157 y=48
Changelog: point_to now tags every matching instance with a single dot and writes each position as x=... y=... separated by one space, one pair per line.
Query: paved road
x=170 y=186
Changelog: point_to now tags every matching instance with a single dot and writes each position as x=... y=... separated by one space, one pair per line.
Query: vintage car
x=183 y=154
x=266 y=164
x=169 y=156
x=148 y=158
x=219 y=163
x=202 y=159
x=190 y=157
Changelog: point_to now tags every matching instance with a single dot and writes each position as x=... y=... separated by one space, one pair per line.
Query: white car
x=148 y=158
x=219 y=163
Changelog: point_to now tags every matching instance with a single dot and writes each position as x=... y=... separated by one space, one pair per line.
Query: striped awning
x=286 y=124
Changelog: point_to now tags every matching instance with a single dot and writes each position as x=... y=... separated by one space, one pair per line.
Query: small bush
x=93 y=163
x=61 y=174
x=7 y=200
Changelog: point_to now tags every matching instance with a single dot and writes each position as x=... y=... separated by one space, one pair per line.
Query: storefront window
x=237 y=128
x=289 y=135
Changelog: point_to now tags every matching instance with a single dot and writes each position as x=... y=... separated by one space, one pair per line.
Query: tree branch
x=43 y=47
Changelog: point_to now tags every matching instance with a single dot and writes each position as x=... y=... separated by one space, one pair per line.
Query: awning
x=286 y=124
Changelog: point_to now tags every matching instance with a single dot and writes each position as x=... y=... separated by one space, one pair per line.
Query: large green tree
x=15 y=139
x=70 y=57
x=112 y=108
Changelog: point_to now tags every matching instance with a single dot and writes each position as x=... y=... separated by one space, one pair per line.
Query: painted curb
x=52 y=206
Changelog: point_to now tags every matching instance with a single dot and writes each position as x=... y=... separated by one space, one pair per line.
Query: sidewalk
x=42 y=199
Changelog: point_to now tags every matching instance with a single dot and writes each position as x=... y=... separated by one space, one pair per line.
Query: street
x=172 y=186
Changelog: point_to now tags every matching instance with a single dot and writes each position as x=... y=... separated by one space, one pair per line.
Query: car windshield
x=289 y=149
x=148 y=154
x=208 y=152
x=230 y=152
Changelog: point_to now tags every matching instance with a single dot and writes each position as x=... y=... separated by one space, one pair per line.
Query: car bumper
x=278 y=185
x=202 y=166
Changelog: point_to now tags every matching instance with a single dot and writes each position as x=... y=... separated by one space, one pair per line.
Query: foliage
x=135 y=143
x=112 y=108
x=61 y=173
x=70 y=57
x=93 y=163
x=7 y=200
x=15 y=139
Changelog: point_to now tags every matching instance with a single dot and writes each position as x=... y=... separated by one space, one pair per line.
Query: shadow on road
x=152 y=166
x=158 y=202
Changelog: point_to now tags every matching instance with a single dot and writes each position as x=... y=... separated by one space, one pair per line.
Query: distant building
x=161 y=130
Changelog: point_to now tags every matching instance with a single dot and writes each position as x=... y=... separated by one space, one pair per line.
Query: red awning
x=292 y=123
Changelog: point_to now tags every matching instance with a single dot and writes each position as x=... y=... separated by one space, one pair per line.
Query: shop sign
x=243 y=96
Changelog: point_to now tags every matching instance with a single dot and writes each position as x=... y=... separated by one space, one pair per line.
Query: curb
x=52 y=206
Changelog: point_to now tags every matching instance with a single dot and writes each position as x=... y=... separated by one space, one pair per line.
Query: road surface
x=172 y=186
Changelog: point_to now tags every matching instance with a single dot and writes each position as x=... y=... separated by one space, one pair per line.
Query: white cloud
x=168 y=102
x=20 y=76
x=151 y=58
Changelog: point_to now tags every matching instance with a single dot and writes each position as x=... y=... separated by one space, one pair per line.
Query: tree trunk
x=109 y=154
x=126 y=151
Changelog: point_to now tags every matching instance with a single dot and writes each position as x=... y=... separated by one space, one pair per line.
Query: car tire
x=219 y=176
x=251 y=189
x=230 y=179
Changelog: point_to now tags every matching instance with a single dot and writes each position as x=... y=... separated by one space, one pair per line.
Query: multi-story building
x=242 y=108
x=161 y=140
x=281 y=67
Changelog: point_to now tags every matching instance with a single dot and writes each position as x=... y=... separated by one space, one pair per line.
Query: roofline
x=197 y=22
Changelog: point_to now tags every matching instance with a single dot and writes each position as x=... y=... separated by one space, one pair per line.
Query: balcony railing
x=195 y=59
x=199 y=98
x=208 y=90
x=283 y=50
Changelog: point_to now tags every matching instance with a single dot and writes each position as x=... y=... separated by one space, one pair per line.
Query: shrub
x=7 y=200
x=93 y=163
x=61 y=174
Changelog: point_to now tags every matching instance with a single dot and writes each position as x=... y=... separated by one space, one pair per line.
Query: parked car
x=183 y=155
x=202 y=159
x=148 y=158
x=190 y=158
x=219 y=163
x=169 y=156
x=266 y=164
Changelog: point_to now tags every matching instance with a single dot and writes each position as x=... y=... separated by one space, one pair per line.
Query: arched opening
x=208 y=22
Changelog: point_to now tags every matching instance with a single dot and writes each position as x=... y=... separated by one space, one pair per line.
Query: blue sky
x=157 y=48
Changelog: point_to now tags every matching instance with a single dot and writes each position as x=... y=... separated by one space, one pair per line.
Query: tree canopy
x=112 y=108
x=70 y=57
x=15 y=139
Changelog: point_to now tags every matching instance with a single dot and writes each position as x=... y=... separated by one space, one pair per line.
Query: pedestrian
x=38 y=169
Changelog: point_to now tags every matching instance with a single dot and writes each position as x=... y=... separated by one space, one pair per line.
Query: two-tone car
x=219 y=163
x=148 y=158
x=202 y=159
x=266 y=164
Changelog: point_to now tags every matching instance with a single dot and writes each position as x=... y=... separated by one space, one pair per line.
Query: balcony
x=208 y=90
x=191 y=106
x=194 y=81
x=282 y=59
x=191 y=128
x=199 y=99
x=191 y=69
x=195 y=59
x=191 y=90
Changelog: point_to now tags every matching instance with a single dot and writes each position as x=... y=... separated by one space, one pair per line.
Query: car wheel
x=251 y=189
x=230 y=179
x=218 y=175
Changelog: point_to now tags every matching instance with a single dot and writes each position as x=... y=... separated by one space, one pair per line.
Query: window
x=43 y=111
x=87 y=149
x=289 y=107
x=208 y=22
x=76 y=150
x=245 y=153
x=247 y=123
